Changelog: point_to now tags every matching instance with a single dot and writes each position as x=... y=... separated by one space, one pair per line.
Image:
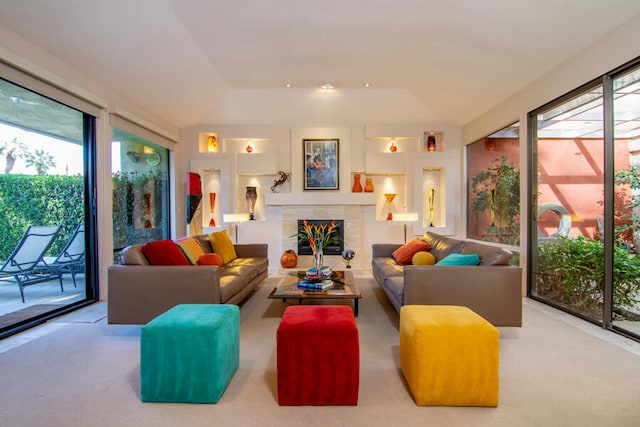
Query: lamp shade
x=235 y=217
x=406 y=217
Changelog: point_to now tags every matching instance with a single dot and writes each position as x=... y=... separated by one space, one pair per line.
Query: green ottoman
x=189 y=353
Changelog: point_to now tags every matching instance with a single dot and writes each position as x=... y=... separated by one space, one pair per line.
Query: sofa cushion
x=222 y=244
x=164 y=252
x=211 y=259
x=460 y=259
x=442 y=246
x=191 y=248
x=404 y=253
x=132 y=255
x=423 y=258
x=489 y=255
x=204 y=242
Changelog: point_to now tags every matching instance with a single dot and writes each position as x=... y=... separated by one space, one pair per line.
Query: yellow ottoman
x=449 y=356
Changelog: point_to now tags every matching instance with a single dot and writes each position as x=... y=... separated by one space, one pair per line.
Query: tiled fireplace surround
x=351 y=214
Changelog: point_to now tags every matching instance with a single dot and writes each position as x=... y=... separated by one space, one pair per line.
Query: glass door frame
x=606 y=81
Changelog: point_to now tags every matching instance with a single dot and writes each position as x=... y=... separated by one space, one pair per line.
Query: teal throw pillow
x=460 y=259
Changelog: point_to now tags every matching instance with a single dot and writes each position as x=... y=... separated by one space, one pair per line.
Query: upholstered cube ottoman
x=449 y=356
x=318 y=356
x=189 y=353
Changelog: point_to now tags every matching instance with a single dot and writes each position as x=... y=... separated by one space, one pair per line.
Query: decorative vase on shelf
x=251 y=196
x=357 y=186
x=393 y=148
x=368 y=186
x=390 y=197
x=432 y=195
x=212 y=144
x=431 y=143
x=212 y=206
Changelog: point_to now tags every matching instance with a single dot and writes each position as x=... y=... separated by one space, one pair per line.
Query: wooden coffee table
x=343 y=288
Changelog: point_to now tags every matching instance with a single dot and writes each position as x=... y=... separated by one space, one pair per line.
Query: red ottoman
x=318 y=356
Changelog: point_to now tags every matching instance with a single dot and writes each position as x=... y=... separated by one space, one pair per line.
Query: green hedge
x=39 y=200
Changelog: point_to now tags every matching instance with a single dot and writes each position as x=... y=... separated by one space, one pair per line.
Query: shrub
x=39 y=200
x=571 y=272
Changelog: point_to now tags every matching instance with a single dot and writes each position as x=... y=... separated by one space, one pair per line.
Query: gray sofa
x=492 y=289
x=139 y=291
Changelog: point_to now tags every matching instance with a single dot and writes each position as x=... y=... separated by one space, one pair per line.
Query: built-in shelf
x=319 y=198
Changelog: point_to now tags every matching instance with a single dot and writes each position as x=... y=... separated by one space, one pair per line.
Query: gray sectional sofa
x=492 y=289
x=139 y=291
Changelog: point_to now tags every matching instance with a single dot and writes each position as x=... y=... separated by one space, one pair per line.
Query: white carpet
x=87 y=374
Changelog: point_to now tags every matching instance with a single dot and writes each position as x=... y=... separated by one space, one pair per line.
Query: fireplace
x=333 y=249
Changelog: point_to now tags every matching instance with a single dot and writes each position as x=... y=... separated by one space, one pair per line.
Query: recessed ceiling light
x=326 y=86
x=367 y=85
x=288 y=85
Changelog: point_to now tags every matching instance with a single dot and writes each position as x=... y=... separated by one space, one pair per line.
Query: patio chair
x=23 y=261
x=69 y=261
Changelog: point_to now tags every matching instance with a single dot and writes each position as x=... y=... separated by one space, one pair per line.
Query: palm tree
x=12 y=150
x=41 y=160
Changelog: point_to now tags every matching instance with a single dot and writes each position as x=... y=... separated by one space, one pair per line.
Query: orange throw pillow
x=210 y=259
x=405 y=253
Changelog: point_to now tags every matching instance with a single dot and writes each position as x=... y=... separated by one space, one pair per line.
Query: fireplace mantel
x=319 y=198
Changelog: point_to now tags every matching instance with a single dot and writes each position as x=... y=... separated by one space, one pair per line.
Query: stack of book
x=322 y=285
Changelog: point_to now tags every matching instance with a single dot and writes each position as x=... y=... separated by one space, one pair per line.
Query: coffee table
x=343 y=288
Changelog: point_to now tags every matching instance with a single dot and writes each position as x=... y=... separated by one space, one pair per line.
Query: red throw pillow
x=164 y=252
x=405 y=253
x=210 y=259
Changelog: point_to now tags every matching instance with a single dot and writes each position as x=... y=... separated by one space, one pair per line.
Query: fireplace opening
x=333 y=249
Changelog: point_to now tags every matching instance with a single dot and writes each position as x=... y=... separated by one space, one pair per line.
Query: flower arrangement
x=318 y=235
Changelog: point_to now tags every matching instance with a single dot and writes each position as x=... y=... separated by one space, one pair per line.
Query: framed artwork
x=321 y=164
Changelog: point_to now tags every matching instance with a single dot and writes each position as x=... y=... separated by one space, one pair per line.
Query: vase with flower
x=319 y=237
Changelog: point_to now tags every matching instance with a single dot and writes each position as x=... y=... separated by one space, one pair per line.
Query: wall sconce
x=406 y=217
x=235 y=219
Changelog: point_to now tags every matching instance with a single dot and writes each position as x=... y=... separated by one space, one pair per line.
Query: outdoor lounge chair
x=69 y=261
x=23 y=261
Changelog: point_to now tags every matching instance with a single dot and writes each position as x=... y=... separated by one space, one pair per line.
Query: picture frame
x=321 y=164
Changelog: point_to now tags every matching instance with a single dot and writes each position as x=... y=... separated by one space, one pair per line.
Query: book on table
x=320 y=285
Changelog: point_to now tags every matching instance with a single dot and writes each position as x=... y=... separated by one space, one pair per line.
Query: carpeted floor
x=552 y=373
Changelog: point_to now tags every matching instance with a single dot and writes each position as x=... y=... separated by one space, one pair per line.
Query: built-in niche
x=433 y=197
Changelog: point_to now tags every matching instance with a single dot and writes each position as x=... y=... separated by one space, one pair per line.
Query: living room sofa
x=139 y=291
x=493 y=288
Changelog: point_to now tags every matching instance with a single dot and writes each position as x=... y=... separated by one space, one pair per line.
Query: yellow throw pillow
x=423 y=258
x=191 y=248
x=223 y=245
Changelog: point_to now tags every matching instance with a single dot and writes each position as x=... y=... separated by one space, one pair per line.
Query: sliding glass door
x=585 y=206
x=45 y=222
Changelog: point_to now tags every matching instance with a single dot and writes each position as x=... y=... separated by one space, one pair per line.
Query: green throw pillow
x=460 y=259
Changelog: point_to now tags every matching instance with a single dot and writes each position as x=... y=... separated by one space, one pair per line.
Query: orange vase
x=357 y=186
x=368 y=186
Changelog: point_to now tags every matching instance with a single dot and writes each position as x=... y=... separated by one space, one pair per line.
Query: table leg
x=355 y=307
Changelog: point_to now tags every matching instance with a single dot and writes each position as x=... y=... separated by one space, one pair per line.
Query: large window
x=493 y=192
x=140 y=190
x=45 y=223
x=584 y=188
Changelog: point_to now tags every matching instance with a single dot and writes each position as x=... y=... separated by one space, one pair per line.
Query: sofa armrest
x=137 y=293
x=250 y=250
x=383 y=249
x=494 y=292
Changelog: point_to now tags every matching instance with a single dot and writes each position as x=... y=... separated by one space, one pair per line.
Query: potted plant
x=496 y=190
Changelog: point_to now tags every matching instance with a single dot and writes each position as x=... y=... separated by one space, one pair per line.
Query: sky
x=67 y=156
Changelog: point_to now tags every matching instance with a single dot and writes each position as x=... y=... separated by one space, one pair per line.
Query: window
x=584 y=197
x=140 y=190
x=44 y=183
x=493 y=193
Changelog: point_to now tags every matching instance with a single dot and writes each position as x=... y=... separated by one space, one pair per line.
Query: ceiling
x=207 y=61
